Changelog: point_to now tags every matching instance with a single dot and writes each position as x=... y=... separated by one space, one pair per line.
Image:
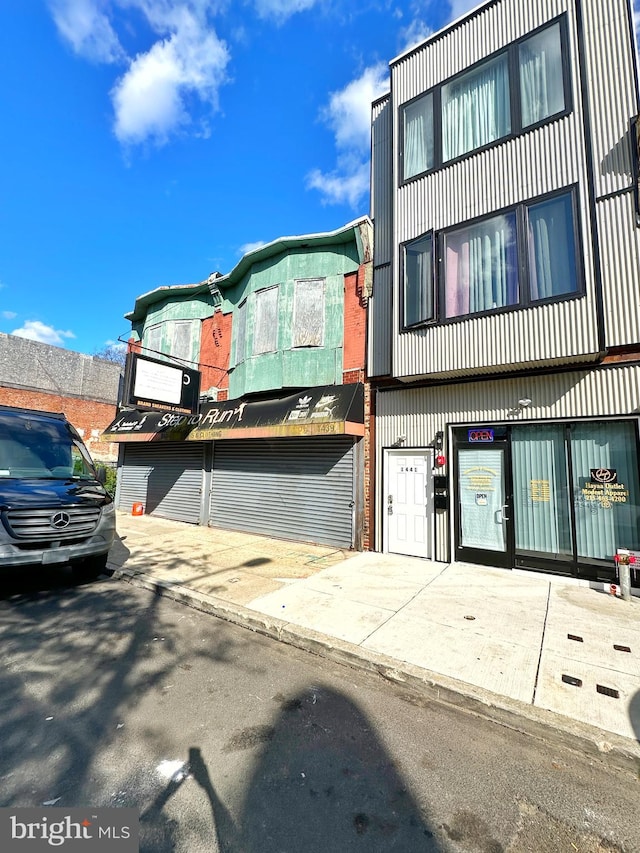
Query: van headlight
x=109 y=509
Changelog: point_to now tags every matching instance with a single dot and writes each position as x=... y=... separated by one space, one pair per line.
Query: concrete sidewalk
x=531 y=651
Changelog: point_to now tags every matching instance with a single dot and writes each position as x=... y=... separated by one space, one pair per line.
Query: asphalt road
x=225 y=740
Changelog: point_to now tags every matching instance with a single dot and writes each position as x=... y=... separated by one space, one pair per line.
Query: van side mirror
x=101 y=475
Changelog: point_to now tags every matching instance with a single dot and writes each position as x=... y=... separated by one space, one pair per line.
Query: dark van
x=53 y=508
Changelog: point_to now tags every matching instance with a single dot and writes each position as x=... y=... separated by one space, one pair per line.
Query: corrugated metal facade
x=419 y=413
x=301 y=488
x=551 y=157
x=165 y=478
x=379 y=309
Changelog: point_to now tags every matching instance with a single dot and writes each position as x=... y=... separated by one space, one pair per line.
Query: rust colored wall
x=215 y=352
x=355 y=314
x=88 y=416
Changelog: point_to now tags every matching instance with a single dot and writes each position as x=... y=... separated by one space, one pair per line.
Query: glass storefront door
x=562 y=497
x=484 y=521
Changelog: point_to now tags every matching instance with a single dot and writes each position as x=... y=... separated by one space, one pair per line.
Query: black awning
x=326 y=410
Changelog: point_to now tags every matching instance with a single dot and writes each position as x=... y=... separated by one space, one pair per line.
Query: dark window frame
x=523 y=262
x=434 y=288
x=515 y=103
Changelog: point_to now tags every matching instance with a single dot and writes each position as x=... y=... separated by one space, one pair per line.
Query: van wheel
x=89 y=568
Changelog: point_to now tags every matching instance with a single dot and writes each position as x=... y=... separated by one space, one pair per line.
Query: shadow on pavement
x=323 y=782
x=634 y=714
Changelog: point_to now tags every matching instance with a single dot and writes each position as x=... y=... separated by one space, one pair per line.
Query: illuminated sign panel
x=483 y=435
x=152 y=382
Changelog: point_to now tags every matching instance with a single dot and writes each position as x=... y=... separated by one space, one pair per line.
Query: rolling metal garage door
x=300 y=488
x=166 y=479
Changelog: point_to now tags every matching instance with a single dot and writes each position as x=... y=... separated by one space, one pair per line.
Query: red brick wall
x=215 y=352
x=88 y=416
x=355 y=314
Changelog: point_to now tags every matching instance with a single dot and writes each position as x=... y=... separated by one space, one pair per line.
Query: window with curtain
x=606 y=488
x=481 y=267
x=308 y=313
x=552 y=248
x=510 y=92
x=240 y=324
x=265 y=329
x=476 y=108
x=541 y=489
x=541 y=77
x=418 y=136
x=418 y=281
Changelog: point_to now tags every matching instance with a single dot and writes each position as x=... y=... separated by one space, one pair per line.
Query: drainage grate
x=608 y=691
x=571 y=679
x=622 y=648
x=575 y=637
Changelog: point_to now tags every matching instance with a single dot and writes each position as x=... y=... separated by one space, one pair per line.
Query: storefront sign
x=484 y=435
x=539 y=491
x=605 y=494
x=326 y=410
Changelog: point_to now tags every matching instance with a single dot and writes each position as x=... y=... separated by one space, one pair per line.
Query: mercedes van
x=53 y=508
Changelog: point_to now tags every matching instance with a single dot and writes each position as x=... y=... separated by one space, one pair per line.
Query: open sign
x=480 y=435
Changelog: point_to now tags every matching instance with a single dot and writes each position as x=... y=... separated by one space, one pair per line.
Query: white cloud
x=251 y=247
x=461 y=7
x=348 y=114
x=163 y=86
x=9 y=315
x=416 y=32
x=84 y=25
x=280 y=10
x=34 y=330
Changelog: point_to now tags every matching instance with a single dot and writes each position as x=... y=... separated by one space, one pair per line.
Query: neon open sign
x=480 y=435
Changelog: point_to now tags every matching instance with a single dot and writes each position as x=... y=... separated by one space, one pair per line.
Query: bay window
x=506 y=94
x=519 y=257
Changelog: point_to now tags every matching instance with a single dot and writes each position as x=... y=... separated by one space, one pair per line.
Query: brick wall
x=355 y=321
x=89 y=417
x=215 y=352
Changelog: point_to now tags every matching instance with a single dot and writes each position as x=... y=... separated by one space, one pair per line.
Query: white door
x=408 y=502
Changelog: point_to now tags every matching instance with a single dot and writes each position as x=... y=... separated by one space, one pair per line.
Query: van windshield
x=41 y=449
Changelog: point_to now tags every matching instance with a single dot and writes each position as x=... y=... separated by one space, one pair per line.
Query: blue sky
x=151 y=142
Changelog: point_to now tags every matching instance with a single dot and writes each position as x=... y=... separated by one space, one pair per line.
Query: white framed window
x=181 y=339
x=308 y=313
x=152 y=340
x=265 y=331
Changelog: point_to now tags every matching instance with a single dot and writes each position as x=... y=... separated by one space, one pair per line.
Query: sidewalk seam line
x=544 y=629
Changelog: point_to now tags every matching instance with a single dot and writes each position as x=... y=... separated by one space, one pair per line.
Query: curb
x=606 y=747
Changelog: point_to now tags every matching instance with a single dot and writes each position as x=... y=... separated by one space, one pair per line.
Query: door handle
x=502 y=510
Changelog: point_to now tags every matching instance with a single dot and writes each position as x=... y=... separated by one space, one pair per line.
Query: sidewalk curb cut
x=606 y=747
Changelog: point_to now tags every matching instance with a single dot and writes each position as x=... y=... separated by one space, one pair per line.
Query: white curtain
x=540 y=489
x=475 y=109
x=607 y=516
x=418 y=289
x=480 y=267
x=541 y=83
x=418 y=137
x=552 y=248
